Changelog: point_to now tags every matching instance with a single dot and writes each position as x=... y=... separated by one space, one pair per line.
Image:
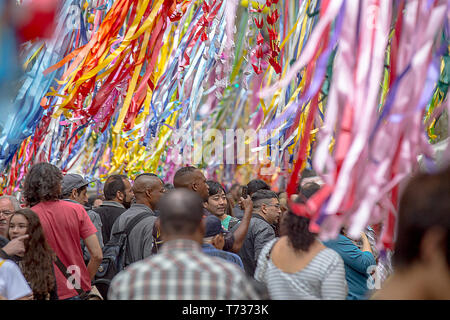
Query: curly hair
x=37 y=262
x=42 y=183
x=296 y=228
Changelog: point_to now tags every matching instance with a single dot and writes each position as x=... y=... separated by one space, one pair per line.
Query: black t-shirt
x=3 y=242
x=108 y=215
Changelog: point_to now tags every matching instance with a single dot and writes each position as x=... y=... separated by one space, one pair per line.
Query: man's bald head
x=184 y=177
x=148 y=190
x=144 y=182
x=181 y=212
x=193 y=179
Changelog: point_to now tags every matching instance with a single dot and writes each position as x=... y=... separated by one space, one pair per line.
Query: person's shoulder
x=147 y=221
x=143 y=266
x=92 y=212
x=329 y=255
x=230 y=256
x=339 y=239
x=126 y=215
x=221 y=265
x=233 y=257
x=9 y=265
x=94 y=216
x=268 y=246
x=72 y=205
x=259 y=221
x=58 y=205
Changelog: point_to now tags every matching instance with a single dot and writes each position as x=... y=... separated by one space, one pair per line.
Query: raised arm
x=241 y=231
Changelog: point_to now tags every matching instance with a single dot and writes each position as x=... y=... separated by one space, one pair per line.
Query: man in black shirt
x=118 y=196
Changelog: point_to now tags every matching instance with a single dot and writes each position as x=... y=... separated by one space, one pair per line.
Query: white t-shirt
x=12 y=283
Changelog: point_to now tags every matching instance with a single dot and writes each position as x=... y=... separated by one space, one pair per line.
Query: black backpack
x=114 y=256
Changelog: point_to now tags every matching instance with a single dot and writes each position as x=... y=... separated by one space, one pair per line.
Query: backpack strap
x=67 y=275
x=130 y=226
x=133 y=222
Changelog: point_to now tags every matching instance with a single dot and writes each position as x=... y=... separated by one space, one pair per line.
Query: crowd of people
x=193 y=239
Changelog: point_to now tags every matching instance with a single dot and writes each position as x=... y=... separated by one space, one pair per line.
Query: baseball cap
x=73 y=181
x=213 y=226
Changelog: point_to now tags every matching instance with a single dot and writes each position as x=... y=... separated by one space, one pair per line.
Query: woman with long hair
x=37 y=261
x=298 y=266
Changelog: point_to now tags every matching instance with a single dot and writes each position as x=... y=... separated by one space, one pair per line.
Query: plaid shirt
x=181 y=271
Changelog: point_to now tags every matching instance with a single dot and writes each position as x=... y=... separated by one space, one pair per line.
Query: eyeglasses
x=6 y=213
x=278 y=206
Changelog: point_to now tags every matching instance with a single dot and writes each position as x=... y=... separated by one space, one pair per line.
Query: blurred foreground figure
x=180 y=270
x=422 y=253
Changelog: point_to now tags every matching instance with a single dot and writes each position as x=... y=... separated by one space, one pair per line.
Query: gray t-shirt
x=323 y=277
x=141 y=237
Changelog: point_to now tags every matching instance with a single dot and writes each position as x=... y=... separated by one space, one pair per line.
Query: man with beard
x=118 y=195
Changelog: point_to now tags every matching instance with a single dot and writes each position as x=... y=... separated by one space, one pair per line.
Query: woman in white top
x=13 y=285
x=298 y=266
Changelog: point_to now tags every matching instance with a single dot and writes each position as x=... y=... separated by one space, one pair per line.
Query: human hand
x=16 y=246
x=364 y=237
x=246 y=203
x=365 y=243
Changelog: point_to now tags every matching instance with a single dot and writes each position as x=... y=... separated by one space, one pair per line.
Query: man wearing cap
x=214 y=240
x=74 y=189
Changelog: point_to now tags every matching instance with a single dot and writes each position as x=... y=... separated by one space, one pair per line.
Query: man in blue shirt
x=214 y=241
x=356 y=262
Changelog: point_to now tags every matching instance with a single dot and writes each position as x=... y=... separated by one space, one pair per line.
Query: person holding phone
x=357 y=262
x=193 y=179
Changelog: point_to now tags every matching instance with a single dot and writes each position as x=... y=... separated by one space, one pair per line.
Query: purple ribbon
x=319 y=75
